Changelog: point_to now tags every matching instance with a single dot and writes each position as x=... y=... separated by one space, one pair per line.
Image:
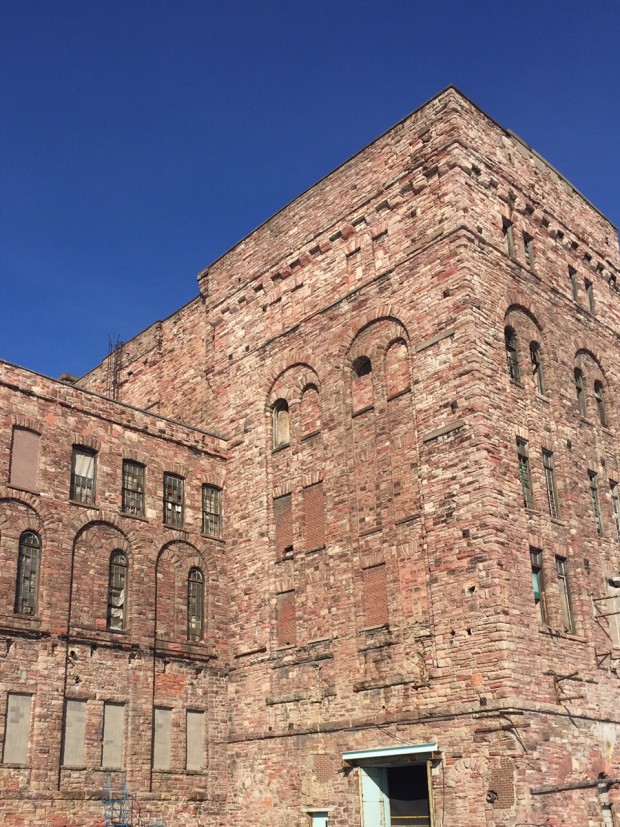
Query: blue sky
x=139 y=140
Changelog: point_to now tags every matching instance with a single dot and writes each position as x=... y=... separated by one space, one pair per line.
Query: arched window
x=537 y=367
x=117 y=590
x=195 y=604
x=281 y=429
x=512 y=355
x=361 y=388
x=28 y=564
x=599 y=395
x=310 y=411
x=581 y=392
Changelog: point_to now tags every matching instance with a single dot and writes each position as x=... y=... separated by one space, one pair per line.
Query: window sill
x=360 y=411
x=516 y=383
x=213 y=537
x=133 y=516
x=557 y=522
x=542 y=397
x=83 y=504
x=556 y=633
x=315 y=549
x=282 y=447
x=180 y=528
x=310 y=435
x=397 y=394
x=24 y=490
x=585 y=421
x=9 y=766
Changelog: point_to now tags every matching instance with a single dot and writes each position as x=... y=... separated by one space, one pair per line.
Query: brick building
x=339 y=543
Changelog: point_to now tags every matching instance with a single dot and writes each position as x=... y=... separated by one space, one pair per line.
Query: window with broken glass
x=524 y=473
x=195 y=605
x=173 y=500
x=538 y=584
x=565 y=604
x=537 y=367
x=28 y=564
x=599 y=395
x=552 y=492
x=211 y=511
x=117 y=590
x=615 y=506
x=83 y=475
x=596 y=505
x=133 y=488
x=512 y=354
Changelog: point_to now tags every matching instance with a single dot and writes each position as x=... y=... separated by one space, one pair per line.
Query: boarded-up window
x=375 y=596
x=310 y=411
x=113 y=734
x=17 y=729
x=162 y=729
x=24 y=459
x=286 y=624
x=75 y=730
x=314 y=516
x=194 y=751
x=283 y=519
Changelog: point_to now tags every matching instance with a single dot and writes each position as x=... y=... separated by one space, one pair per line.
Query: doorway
x=396 y=796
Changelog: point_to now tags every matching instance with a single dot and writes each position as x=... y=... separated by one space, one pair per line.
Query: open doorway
x=396 y=796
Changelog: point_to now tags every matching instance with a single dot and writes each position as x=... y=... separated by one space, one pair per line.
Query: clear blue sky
x=140 y=139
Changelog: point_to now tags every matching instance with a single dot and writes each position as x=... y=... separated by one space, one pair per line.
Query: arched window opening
x=310 y=411
x=361 y=387
x=512 y=354
x=581 y=392
x=599 y=395
x=362 y=366
x=397 y=369
x=281 y=426
x=195 y=605
x=28 y=564
x=117 y=591
x=537 y=367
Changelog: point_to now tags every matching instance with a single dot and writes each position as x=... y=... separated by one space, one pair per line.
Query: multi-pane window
x=528 y=249
x=589 y=294
x=28 y=564
x=173 y=500
x=596 y=505
x=599 y=395
x=581 y=392
x=574 y=288
x=211 y=510
x=195 y=604
x=537 y=367
x=281 y=426
x=83 y=475
x=615 y=506
x=117 y=590
x=512 y=354
x=133 y=488
x=538 y=584
x=508 y=234
x=552 y=491
x=565 y=606
x=524 y=473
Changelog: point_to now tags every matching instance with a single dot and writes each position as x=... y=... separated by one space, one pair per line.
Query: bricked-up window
x=17 y=728
x=538 y=584
x=211 y=510
x=552 y=491
x=113 y=735
x=83 y=475
x=283 y=519
x=24 y=459
x=528 y=250
x=596 y=505
x=117 y=590
x=194 y=741
x=281 y=424
x=565 y=605
x=361 y=387
x=375 y=596
x=314 y=516
x=574 y=287
x=28 y=565
x=195 y=605
x=581 y=392
x=615 y=506
x=599 y=395
x=538 y=372
x=133 y=488
x=512 y=354
x=589 y=288
x=508 y=233
x=524 y=473
x=286 y=622
x=74 y=733
x=162 y=734
x=174 y=488
x=310 y=411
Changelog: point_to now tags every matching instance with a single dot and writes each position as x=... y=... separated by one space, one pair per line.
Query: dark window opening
x=574 y=286
x=565 y=603
x=133 y=488
x=552 y=492
x=195 y=605
x=538 y=584
x=528 y=249
x=512 y=354
x=173 y=500
x=599 y=395
x=362 y=366
x=117 y=586
x=28 y=564
x=596 y=505
x=408 y=795
x=537 y=367
x=508 y=233
x=590 y=294
x=524 y=473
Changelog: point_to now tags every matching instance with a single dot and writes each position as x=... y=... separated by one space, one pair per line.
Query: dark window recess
x=283 y=518
x=537 y=367
x=538 y=584
x=512 y=354
x=589 y=288
x=173 y=500
x=83 y=475
x=524 y=473
x=362 y=391
x=596 y=505
x=552 y=492
x=133 y=488
x=408 y=796
x=211 y=510
x=615 y=506
x=117 y=591
x=281 y=424
x=574 y=287
x=599 y=395
x=528 y=249
x=195 y=605
x=581 y=393
x=565 y=603
x=28 y=565
x=508 y=233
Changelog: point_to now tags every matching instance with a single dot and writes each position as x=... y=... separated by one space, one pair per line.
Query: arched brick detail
x=216 y=477
x=295 y=361
x=29 y=423
x=515 y=299
x=381 y=313
x=86 y=441
x=102 y=519
x=524 y=308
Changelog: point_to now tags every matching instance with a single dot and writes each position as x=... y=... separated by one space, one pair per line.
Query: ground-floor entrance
x=396 y=796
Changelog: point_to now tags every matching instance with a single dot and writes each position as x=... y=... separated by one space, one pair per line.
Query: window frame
x=596 y=502
x=525 y=473
x=615 y=506
x=580 y=387
x=601 y=408
x=115 y=567
x=176 y=505
x=28 y=552
x=574 y=284
x=281 y=424
x=509 y=240
x=133 y=487
x=195 y=605
x=212 y=517
x=538 y=585
x=78 y=487
x=566 y=609
x=550 y=483
x=537 y=362
x=588 y=285
x=511 y=346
